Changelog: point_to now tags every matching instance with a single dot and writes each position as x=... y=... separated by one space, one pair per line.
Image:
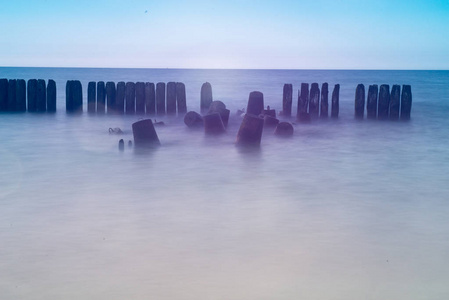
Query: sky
x=237 y=34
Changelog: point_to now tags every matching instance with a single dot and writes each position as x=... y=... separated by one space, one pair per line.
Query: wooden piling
x=206 y=97
x=92 y=97
x=3 y=94
x=371 y=102
x=69 y=105
x=384 y=102
x=12 y=101
x=213 y=124
x=144 y=134
x=41 y=96
x=287 y=97
x=255 y=103
x=220 y=108
x=51 y=96
x=150 y=99
x=21 y=102
x=406 y=102
x=181 y=100
x=303 y=102
x=101 y=98
x=314 y=101
x=359 y=106
x=140 y=98
x=335 y=110
x=160 y=98
x=284 y=129
x=171 y=98
x=193 y=119
x=111 y=97
x=120 y=97
x=77 y=90
x=324 y=113
x=395 y=100
x=250 y=131
x=130 y=98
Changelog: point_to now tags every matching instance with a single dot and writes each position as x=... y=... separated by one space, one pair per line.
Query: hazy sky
x=275 y=34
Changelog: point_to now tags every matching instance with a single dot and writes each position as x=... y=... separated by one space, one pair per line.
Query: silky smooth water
x=344 y=209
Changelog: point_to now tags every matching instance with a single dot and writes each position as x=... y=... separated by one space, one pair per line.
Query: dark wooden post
x=406 y=102
x=287 y=97
x=12 y=88
x=384 y=102
x=41 y=95
x=335 y=110
x=395 y=100
x=32 y=95
x=120 y=98
x=181 y=98
x=3 y=94
x=193 y=119
x=21 y=100
x=69 y=104
x=213 y=124
x=144 y=134
x=359 y=101
x=140 y=98
x=314 y=101
x=171 y=98
x=77 y=90
x=91 y=97
x=255 y=103
x=250 y=131
x=284 y=129
x=324 y=113
x=303 y=102
x=206 y=97
x=150 y=98
x=51 y=96
x=160 y=98
x=371 y=102
x=101 y=98
x=130 y=98
x=111 y=97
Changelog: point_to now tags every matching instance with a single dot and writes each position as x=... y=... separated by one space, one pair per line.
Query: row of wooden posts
x=35 y=95
x=128 y=98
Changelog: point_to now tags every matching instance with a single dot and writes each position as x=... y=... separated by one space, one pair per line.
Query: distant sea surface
x=344 y=209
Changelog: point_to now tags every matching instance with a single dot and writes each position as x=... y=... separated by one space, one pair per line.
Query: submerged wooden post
x=284 y=129
x=51 y=96
x=287 y=97
x=395 y=100
x=130 y=98
x=206 y=97
x=21 y=102
x=303 y=102
x=91 y=97
x=160 y=98
x=255 y=103
x=193 y=119
x=41 y=96
x=120 y=97
x=144 y=134
x=406 y=102
x=150 y=98
x=314 y=101
x=335 y=110
x=3 y=94
x=140 y=98
x=384 y=102
x=32 y=95
x=213 y=124
x=101 y=97
x=77 y=90
x=69 y=105
x=324 y=113
x=371 y=102
x=181 y=100
x=171 y=98
x=250 y=131
x=111 y=97
x=12 y=88
x=359 y=101
x=220 y=108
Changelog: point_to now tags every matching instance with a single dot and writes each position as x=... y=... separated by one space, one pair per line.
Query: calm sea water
x=343 y=210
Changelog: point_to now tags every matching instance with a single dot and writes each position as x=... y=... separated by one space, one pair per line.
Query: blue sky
x=282 y=34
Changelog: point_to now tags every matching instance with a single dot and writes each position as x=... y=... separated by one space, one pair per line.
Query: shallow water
x=342 y=210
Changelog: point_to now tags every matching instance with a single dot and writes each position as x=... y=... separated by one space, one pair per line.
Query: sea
x=344 y=209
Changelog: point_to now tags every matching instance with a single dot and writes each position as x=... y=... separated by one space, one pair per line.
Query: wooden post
x=287 y=97
x=171 y=98
x=12 y=101
x=144 y=134
x=69 y=105
x=3 y=94
x=41 y=96
x=324 y=113
x=284 y=129
x=160 y=98
x=120 y=98
x=150 y=98
x=21 y=100
x=51 y=96
x=255 y=103
x=32 y=95
x=314 y=101
x=181 y=100
x=213 y=124
x=384 y=102
x=359 y=101
x=220 y=108
x=140 y=98
x=91 y=97
x=335 y=101
x=406 y=102
x=111 y=96
x=250 y=131
x=130 y=98
x=206 y=97
x=303 y=102
x=101 y=98
x=371 y=102
x=77 y=90
x=193 y=119
x=395 y=100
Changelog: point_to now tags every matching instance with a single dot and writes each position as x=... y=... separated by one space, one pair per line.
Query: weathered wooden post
x=193 y=119
x=384 y=102
x=51 y=96
x=101 y=98
x=220 y=108
x=371 y=102
x=171 y=98
x=91 y=97
x=284 y=129
x=130 y=98
x=77 y=90
x=206 y=97
x=181 y=98
x=160 y=98
x=41 y=96
x=32 y=95
x=287 y=97
x=140 y=98
x=335 y=110
x=255 y=103
x=250 y=131
x=359 y=101
x=111 y=97
x=395 y=100
x=406 y=102
x=150 y=99
x=314 y=101
x=144 y=134
x=3 y=94
x=213 y=124
x=12 y=88
x=324 y=113
x=21 y=101
x=303 y=103
x=69 y=105
x=120 y=97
